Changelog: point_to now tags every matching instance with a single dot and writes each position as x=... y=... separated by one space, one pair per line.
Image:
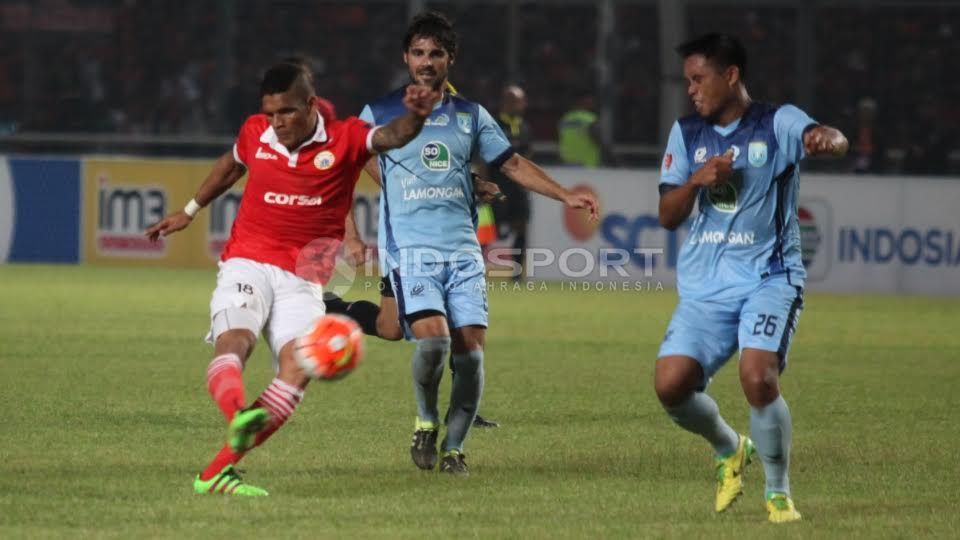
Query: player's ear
x=732 y=75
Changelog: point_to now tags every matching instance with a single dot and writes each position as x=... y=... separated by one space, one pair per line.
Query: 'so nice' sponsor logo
x=435 y=156
x=324 y=160
x=577 y=221
x=286 y=199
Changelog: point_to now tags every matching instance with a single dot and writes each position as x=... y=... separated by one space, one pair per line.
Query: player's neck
x=311 y=131
x=735 y=110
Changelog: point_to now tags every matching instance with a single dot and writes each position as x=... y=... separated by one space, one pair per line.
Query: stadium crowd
x=881 y=71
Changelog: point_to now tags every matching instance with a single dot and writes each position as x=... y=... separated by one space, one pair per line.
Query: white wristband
x=192 y=208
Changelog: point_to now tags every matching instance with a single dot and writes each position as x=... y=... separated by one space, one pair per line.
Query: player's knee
x=675 y=380
x=468 y=364
x=761 y=385
x=238 y=341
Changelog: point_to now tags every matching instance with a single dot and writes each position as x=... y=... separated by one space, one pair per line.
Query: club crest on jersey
x=324 y=160
x=757 y=153
x=465 y=122
x=700 y=156
x=435 y=156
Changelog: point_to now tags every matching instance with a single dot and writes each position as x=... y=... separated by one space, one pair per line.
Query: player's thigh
x=703 y=331
x=241 y=299
x=467 y=297
x=297 y=304
x=418 y=293
x=769 y=319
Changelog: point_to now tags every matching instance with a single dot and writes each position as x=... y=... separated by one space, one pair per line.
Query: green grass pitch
x=105 y=421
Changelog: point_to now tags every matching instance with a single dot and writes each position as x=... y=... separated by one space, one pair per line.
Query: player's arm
x=676 y=201
x=529 y=175
x=225 y=173
x=372 y=167
x=419 y=101
x=820 y=140
x=354 y=248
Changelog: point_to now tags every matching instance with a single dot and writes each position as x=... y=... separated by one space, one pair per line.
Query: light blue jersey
x=747 y=228
x=428 y=205
x=427 y=238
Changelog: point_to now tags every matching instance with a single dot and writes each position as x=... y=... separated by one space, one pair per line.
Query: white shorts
x=263 y=298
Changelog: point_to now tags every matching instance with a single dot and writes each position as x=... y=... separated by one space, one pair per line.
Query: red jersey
x=295 y=197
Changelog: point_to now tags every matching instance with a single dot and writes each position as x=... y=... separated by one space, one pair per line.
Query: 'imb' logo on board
x=435 y=156
x=123 y=214
x=223 y=212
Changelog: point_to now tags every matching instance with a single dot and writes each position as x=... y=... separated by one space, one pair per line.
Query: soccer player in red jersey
x=302 y=172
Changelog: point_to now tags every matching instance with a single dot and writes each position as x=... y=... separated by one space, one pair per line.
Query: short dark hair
x=303 y=64
x=432 y=24
x=285 y=76
x=723 y=50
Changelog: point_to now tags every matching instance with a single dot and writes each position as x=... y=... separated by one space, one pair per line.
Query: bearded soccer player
x=428 y=239
x=302 y=172
x=740 y=277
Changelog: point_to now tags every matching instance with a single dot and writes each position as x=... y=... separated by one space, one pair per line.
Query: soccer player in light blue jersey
x=740 y=276
x=427 y=239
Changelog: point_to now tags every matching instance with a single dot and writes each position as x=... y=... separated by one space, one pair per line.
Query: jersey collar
x=269 y=137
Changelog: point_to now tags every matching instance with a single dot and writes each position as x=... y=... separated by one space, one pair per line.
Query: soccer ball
x=331 y=349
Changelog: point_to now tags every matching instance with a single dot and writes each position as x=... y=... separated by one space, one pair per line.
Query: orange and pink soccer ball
x=331 y=348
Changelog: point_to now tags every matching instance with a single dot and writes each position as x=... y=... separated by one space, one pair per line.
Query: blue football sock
x=700 y=414
x=464 y=398
x=771 y=428
x=427 y=370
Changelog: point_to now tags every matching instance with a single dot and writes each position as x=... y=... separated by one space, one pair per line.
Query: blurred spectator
x=514 y=212
x=866 y=148
x=578 y=134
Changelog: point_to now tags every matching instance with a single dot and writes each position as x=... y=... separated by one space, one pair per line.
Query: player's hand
x=419 y=99
x=169 y=225
x=487 y=190
x=586 y=201
x=355 y=251
x=716 y=170
x=825 y=140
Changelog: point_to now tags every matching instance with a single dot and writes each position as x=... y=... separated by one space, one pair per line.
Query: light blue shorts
x=456 y=289
x=710 y=332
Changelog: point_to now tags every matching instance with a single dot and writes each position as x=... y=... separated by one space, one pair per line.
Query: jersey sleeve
x=360 y=137
x=789 y=125
x=366 y=115
x=246 y=138
x=493 y=145
x=675 y=168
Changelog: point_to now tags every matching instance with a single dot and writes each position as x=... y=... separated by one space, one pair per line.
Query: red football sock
x=225 y=383
x=225 y=457
x=280 y=399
